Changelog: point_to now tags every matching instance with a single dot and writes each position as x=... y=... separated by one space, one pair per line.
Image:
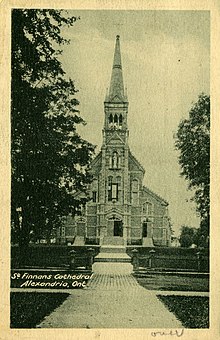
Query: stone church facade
x=121 y=210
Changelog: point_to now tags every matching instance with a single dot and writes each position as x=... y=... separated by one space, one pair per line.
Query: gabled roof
x=79 y=195
x=114 y=210
x=159 y=198
x=96 y=161
x=115 y=136
x=137 y=163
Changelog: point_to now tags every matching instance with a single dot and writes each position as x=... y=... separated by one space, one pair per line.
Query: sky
x=166 y=65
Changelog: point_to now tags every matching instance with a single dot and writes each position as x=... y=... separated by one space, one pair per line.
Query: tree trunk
x=24 y=239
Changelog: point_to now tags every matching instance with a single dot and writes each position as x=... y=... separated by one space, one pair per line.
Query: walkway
x=111 y=301
x=72 y=291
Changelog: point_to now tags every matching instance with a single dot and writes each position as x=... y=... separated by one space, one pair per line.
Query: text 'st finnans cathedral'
x=121 y=210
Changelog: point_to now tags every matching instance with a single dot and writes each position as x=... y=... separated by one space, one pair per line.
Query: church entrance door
x=118 y=228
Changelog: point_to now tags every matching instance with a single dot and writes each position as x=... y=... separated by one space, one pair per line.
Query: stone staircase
x=113 y=240
x=112 y=258
x=147 y=242
x=112 y=249
x=112 y=253
x=79 y=241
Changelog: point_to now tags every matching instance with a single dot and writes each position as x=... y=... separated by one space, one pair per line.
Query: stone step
x=113 y=260
x=112 y=270
x=147 y=242
x=112 y=249
x=79 y=241
x=112 y=257
x=113 y=240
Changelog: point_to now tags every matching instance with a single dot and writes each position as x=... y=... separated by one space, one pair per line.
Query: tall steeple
x=116 y=91
x=116 y=103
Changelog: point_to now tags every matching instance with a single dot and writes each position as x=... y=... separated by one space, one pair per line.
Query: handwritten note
x=176 y=332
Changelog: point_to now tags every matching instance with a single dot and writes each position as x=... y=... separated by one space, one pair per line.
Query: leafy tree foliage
x=187 y=236
x=194 y=236
x=201 y=237
x=49 y=158
x=193 y=142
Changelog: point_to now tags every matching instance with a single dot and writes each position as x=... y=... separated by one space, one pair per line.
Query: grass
x=174 y=282
x=29 y=309
x=192 y=311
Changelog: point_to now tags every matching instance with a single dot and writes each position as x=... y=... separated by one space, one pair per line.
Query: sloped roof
x=159 y=198
x=116 y=137
x=97 y=159
x=134 y=159
x=80 y=194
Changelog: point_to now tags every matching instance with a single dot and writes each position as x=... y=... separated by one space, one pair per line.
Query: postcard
x=110 y=206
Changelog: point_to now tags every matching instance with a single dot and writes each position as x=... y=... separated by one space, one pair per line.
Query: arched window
x=164 y=233
x=114 y=188
x=110 y=179
x=110 y=161
x=94 y=190
x=110 y=118
x=148 y=209
x=118 y=182
x=115 y=118
x=134 y=185
x=134 y=191
x=110 y=121
x=120 y=120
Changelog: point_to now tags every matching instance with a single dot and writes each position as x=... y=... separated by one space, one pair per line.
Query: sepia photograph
x=110 y=169
x=110 y=220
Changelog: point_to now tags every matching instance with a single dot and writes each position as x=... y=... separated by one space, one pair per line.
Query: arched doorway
x=118 y=228
x=115 y=226
x=81 y=227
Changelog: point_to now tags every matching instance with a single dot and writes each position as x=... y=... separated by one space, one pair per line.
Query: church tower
x=116 y=103
x=114 y=190
x=121 y=210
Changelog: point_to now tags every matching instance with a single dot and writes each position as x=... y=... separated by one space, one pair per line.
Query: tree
x=187 y=236
x=201 y=239
x=49 y=158
x=193 y=142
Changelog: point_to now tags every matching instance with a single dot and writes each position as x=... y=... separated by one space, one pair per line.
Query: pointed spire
x=117 y=55
x=116 y=91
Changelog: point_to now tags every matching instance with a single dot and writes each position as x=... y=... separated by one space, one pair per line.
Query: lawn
x=192 y=311
x=174 y=282
x=29 y=309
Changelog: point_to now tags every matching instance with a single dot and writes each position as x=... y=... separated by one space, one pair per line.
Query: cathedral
x=121 y=210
